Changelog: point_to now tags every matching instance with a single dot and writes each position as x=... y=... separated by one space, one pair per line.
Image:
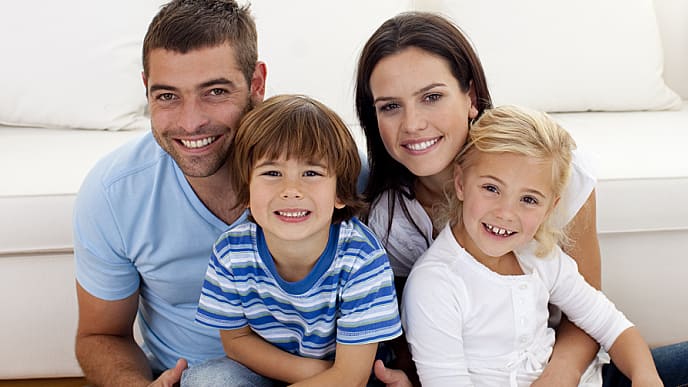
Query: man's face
x=196 y=101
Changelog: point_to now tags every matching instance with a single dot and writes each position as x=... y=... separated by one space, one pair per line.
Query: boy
x=303 y=279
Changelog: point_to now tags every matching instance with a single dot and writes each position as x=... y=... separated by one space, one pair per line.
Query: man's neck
x=216 y=193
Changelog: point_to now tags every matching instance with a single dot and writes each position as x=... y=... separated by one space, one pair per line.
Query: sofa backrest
x=672 y=17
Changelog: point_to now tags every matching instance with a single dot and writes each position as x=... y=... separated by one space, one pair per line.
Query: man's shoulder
x=137 y=157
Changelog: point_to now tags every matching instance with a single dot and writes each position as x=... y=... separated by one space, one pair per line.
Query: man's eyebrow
x=217 y=81
x=212 y=82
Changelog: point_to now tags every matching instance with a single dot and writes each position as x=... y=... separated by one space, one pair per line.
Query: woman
x=419 y=85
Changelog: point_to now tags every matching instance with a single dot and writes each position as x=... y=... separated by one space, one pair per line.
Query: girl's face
x=506 y=198
x=421 y=111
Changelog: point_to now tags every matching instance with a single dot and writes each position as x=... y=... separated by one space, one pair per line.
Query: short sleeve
x=102 y=266
x=369 y=310
x=581 y=184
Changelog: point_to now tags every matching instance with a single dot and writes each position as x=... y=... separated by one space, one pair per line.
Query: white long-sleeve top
x=467 y=325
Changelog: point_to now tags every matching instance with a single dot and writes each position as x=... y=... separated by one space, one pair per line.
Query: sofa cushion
x=82 y=72
x=42 y=171
x=641 y=165
x=567 y=55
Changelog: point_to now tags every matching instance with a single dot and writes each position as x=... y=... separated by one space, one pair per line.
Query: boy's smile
x=293 y=202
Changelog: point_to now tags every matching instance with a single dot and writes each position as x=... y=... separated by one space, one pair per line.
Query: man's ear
x=145 y=82
x=257 y=87
x=458 y=181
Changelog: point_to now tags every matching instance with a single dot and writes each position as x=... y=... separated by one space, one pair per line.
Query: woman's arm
x=632 y=356
x=574 y=349
x=251 y=350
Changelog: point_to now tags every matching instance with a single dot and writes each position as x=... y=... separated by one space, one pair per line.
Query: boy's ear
x=338 y=204
x=458 y=181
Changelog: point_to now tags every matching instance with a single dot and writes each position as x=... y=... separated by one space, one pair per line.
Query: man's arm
x=246 y=347
x=574 y=349
x=105 y=346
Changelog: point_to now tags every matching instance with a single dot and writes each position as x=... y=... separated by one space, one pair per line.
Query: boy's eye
x=270 y=173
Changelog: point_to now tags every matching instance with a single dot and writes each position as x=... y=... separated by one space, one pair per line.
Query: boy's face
x=293 y=200
x=506 y=197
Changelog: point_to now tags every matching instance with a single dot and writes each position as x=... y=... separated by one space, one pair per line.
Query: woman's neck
x=430 y=191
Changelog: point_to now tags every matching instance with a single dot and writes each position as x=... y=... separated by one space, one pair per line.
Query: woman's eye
x=434 y=97
x=388 y=107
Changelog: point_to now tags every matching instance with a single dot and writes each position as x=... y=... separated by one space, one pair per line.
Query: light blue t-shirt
x=348 y=297
x=139 y=225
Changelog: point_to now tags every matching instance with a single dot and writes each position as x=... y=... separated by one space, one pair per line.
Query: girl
x=475 y=304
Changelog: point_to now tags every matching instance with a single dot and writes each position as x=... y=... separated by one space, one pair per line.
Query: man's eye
x=165 y=97
x=217 y=91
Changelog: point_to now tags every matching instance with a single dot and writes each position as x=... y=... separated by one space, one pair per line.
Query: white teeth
x=422 y=145
x=296 y=214
x=499 y=231
x=193 y=144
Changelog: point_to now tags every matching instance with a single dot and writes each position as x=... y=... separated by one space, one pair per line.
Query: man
x=147 y=215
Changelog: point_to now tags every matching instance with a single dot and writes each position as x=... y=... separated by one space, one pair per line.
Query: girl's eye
x=312 y=173
x=530 y=200
x=490 y=188
x=270 y=173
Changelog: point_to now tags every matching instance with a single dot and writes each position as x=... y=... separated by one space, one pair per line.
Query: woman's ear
x=473 y=103
x=458 y=181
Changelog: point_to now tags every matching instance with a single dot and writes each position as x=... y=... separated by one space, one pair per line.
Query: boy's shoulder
x=354 y=234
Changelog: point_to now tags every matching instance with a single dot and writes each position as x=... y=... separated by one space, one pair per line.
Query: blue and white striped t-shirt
x=348 y=297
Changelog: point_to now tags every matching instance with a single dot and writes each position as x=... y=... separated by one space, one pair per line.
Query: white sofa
x=74 y=71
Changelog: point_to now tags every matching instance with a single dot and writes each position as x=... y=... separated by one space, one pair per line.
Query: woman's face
x=421 y=111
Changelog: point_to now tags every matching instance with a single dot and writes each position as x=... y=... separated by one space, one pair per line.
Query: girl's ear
x=338 y=204
x=458 y=181
x=555 y=202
